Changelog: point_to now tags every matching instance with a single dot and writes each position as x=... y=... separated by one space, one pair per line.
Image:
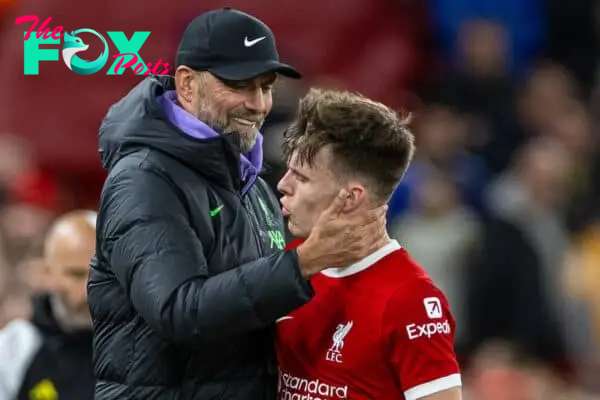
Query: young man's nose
x=284 y=184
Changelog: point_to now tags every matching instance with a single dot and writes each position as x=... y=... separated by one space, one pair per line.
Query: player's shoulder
x=402 y=271
x=422 y=295
x=411 y=284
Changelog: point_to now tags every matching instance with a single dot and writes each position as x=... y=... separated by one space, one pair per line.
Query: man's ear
x=357 y=196
x=185 y=84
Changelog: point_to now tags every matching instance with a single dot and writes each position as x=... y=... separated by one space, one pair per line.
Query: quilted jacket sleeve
x=146 y=239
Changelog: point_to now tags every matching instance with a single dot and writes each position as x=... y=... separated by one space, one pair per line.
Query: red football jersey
x=379 y=329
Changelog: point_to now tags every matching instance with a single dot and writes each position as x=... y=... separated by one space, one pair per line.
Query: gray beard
x=243 y=141
x=246 y=143
x=68 y=320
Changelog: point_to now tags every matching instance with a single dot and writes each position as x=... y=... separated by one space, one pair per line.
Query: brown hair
x=367 y=139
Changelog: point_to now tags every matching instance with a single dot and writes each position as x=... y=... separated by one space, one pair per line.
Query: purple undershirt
x=251 y=162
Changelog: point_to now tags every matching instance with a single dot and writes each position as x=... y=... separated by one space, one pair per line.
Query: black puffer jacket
x=189 y=277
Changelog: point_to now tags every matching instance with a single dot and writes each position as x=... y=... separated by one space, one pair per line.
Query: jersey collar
x=363 y=264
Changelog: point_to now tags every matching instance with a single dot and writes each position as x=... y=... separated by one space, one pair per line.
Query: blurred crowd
x=501 y=204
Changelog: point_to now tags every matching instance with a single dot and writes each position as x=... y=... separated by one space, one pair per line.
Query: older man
x=50 y=356
x=190 y=271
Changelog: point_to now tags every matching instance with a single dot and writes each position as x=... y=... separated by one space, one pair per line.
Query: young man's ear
x=356 y=197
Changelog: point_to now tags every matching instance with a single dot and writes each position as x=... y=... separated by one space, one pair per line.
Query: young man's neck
x=381 y=242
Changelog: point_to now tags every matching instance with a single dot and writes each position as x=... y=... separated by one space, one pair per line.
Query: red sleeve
x=420 y=331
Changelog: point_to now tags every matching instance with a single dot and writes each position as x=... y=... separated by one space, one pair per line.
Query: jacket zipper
x=254 y=223
x=248 y=205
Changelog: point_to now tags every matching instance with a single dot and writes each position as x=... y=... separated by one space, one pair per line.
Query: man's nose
x=283 y=184
x=257 y=101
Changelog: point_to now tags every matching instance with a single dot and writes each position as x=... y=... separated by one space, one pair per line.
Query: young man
x=379 y=328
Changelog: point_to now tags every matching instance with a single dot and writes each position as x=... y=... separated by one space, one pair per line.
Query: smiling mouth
x=245 y=122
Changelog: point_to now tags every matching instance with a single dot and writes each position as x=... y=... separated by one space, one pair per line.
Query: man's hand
x=339 y=240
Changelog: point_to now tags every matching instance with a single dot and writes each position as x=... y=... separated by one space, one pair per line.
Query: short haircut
x=368 y=140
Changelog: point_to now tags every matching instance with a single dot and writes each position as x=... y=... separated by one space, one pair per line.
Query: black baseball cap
x=231 y=45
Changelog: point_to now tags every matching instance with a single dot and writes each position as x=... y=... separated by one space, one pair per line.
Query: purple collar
x=251 y=162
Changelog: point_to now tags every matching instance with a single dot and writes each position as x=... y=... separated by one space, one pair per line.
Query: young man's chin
x=297 y=232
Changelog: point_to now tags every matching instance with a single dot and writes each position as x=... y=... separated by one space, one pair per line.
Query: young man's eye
x=301 y=178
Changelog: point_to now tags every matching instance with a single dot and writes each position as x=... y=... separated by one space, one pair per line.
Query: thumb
x=337 y=205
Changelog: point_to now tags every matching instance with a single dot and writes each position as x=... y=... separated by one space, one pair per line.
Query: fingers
x=382 y=211
x=337 y=205
x=376 y=215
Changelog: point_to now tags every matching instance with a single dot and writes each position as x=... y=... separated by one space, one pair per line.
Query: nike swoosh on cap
x=250 y=43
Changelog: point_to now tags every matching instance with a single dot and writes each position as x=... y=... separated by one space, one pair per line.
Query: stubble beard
x=224 y=126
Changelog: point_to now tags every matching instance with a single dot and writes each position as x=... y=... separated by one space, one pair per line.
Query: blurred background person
x=441 y=234
x=50 y=355
x=515 y=277
x=481 y=85
x=500 y=371
x=442 y=137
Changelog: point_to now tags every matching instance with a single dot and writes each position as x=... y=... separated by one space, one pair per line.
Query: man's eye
x=301 y=178
x=236 y=84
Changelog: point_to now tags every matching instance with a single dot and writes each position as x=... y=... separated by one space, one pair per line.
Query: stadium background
x=501 y=203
